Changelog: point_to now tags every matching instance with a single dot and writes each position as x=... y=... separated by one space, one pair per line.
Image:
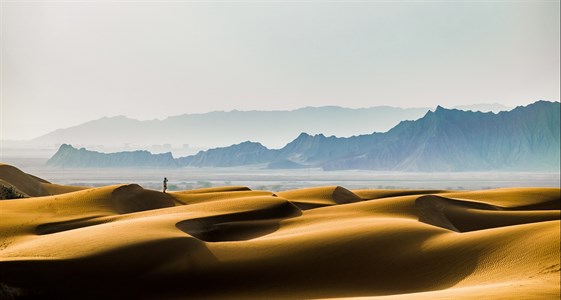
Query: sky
x=67 y=62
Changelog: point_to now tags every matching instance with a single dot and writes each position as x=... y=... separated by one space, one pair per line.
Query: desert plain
x=124 y=241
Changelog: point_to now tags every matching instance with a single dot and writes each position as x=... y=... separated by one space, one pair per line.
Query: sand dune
x=124 y=241
x=29 y=185
x=462 y=216
x=192 y=197
x=320 y=196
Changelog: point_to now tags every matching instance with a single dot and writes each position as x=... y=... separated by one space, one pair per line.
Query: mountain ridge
x=525 y=138
x=203 y=130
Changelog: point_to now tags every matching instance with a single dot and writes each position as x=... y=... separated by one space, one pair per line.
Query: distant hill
x=68 y=156
x=526 y=138
x=209 y=130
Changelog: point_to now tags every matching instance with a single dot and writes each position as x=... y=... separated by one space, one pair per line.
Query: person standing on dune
x=165 y=184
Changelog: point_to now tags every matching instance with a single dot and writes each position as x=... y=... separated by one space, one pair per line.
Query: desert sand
x=124 y=241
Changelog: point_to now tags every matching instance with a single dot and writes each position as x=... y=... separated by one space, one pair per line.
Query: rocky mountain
x=246 y=153
x=526 y=138
x=68 y=156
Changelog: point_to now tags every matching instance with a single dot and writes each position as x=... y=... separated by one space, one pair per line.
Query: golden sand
x=124 y=241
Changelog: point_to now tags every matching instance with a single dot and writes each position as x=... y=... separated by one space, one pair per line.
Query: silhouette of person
x=165 y=184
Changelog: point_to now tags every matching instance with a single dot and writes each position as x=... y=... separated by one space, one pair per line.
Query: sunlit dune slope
x=209 y=194
x=124 y=241
x=29 y=185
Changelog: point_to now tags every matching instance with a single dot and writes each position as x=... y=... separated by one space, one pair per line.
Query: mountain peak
x=440 y=109
x=303 y=135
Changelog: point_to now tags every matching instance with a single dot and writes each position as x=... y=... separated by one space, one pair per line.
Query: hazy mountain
x=271 y=128
x=217 y=129
x=525 y=139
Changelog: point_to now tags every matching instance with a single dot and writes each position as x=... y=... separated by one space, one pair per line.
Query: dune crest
x=30 y=186
x=463 y=216
x=320 y=196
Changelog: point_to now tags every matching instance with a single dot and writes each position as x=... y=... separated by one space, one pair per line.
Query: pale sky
x=67 y=62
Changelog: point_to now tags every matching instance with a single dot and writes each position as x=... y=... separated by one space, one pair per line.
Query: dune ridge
x=124 y=241
x=29 y=185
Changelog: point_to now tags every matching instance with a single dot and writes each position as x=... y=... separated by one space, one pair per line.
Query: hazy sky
x=67 y=62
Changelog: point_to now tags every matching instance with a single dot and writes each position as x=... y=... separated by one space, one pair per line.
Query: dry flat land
x=123 y=241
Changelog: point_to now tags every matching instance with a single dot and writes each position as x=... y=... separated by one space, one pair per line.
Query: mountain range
x=526 y=138
x=271 y=128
